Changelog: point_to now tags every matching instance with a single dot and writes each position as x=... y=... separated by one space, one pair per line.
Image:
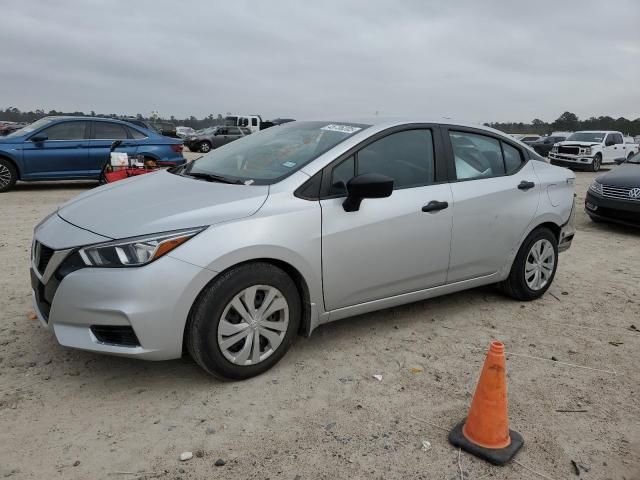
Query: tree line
x=13 y=114
x=566 y=122
x=569 y=122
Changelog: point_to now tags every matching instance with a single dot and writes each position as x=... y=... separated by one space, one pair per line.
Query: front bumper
x=565 y=160
x=624 y=212
x=154 y=301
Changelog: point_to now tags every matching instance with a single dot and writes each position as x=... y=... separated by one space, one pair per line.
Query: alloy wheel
x=253 y=325
x=539 y=265
x=205 y=147
x=5 y=176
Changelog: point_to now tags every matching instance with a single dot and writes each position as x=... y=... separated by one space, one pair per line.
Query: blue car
x=71 y=148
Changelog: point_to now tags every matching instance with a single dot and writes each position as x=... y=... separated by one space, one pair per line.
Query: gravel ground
x=319 y=414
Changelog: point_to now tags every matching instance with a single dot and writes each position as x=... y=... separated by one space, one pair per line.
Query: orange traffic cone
x=485 y=433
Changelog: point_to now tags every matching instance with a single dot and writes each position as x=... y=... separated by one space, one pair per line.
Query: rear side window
x=405 y=156
x=66 y=131
x=254 y=122
x=136 y=134
x=109 y=131
x=512 y=158
x=479 y=156
x=233 y=131
x=476 y=156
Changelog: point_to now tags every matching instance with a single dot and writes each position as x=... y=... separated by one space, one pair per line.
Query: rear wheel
x=244 y=322
x=596 y=163
x=8 y=175
x=534 y=267
x=205 y=147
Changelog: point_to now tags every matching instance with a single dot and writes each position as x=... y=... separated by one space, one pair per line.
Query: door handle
x=525 y=185
x=434 y=206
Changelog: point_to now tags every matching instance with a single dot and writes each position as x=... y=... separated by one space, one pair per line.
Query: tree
x=567 y=121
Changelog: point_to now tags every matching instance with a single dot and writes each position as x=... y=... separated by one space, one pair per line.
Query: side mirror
x=367 y=185
x=39 y=137
x=115 y=145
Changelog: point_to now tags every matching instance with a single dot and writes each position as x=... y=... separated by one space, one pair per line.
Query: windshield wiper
x=210 y=177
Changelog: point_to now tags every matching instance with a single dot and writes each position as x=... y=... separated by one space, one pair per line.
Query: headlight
x=585 y=151
x=135 y=252
x=554 y=149
x=596 y=187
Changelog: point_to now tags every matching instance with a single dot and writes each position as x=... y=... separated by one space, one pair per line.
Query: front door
x=63 y=154
x=389 y=246
x=495 y=199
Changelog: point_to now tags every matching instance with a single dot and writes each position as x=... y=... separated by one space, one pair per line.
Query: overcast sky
x=468 y=60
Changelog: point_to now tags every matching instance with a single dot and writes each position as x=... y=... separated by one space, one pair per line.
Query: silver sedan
x=265 y=238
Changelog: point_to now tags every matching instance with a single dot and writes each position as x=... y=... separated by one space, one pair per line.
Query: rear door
x=389 y=246
x=62 y=155
x=103 y=134
x=495 y=198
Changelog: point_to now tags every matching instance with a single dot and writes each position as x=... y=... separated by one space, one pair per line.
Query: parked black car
x=544 y=144
x=615 y=196
x=209 y=138
x=163 y=128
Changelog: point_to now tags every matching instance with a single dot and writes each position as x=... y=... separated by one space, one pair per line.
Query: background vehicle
x=214 y=137
x=526 y=137
x=184 y=132
x=544 y=144
x=592 y=149
x=9 y=127
x=166 y=129
x=252 y=122
x=615 y=196
x=296 y=226
x=65 y=148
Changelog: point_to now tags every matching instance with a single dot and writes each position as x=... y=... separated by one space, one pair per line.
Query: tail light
x=178 y=147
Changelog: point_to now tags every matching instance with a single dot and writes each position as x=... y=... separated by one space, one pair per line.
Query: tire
x=8 y=175
x=520 y=284
x=204 y=147
x=630 y=156
x=215 y=322
x=596 y=163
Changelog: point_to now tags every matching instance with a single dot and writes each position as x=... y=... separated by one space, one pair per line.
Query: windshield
x=30 y=128
x=595 y=137
x=270 y=155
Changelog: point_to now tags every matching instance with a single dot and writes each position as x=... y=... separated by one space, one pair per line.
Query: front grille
x=121 y=336
x=619 y=193
x=568 y=150
x=44 y=254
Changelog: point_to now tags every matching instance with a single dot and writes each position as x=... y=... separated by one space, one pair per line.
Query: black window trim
x=87 y=135
x=453 y=177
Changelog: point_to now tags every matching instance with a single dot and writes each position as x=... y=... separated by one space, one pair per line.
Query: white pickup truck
x=592 y=149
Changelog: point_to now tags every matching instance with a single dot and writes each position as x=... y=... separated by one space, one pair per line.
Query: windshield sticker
x=348 y=129
x=289 y=164
x=248 y=182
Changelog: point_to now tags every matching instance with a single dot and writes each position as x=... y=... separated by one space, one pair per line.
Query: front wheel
x=8 y=175
x=596 y=163
x=205 y=147
x=244 y=322
x=534 y=267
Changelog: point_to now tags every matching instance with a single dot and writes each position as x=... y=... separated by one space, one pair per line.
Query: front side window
x=66 y=131
x=341 y=174
x=406 y=156
x=108 y=131
x=476 y=156
x=270 y=155
x=233 y=131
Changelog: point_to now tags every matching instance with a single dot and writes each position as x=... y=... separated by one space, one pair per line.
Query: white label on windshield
x=289 y=164
x=341 y=128
x=248 y=182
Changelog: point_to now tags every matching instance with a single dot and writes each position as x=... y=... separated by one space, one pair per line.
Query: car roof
x=80 y=117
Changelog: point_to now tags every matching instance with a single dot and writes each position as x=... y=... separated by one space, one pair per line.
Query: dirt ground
x=319 y=413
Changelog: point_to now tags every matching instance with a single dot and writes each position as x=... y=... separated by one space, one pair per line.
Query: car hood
x=160 y=202
x=580 y=144
x=626 y=175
